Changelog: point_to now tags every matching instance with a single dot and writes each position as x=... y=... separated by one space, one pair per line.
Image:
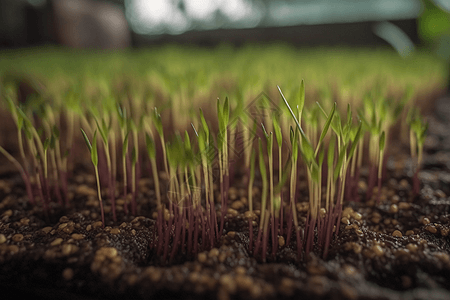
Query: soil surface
x=396 y=248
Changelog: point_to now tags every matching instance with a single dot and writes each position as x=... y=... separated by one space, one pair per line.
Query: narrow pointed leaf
x=86 y=139
x=326 y=127
x=94 y=154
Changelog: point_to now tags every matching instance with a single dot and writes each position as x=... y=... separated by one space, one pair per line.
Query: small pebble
x=431 y=228
x=412 y=247
x=378 y=250
x=17 y=237
x=77 y=236
x=202 y=257
x=214 y=252
x=97 y=224
x=68 y=273
x=46 y=229
x=397 y=233
x=393 y=209
x=404 y=205
x=115 y=231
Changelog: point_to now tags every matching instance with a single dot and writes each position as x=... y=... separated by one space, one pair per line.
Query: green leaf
x=19 y=122
x=294 y=142
x=151 y=149
x=195 y=130
x=321 y=157
x=265 y=132
x=355 y=141
x=157 y=121
x=294 y=117
x=330 y=154
x=277 y=129
x=187 y=141
x=125 y=145
x=326 y=127
x=307 y=150
x=226 y=112
x=339 y=163
x=220 y=140
x=133 y=156
x=24 y=116
x=46 y=144
x=301 y=100
x=52 y=142
x=122 y=114
x=349 y=115
x=86 y=139
x=314 y=172
x=204 y=124
x=382 y=141
x=220 y=116
x=102 y=132
x=27 y=130
x=94 y=154
x=56 y=131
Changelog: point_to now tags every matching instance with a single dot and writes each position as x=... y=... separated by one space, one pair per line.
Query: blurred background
x=118 y=24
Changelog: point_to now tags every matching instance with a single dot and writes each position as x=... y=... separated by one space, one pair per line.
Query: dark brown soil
x=398 y=248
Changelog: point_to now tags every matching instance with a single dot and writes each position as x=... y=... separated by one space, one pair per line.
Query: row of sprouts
x=291 y=144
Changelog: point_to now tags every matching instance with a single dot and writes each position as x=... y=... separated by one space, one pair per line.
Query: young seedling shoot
x=36 y=149
x=94 y=158
x=18 y=120
x=314 y=159
x=104 y=129
x=223 y=113
x=292 y=216
x=250 y=215
x=262 y=233
x=417 y=134
x=124 y=134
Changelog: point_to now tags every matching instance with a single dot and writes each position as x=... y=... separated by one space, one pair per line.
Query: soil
x=397 y=248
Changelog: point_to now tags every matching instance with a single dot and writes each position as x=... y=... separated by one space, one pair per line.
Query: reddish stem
x=258 y=241
x=250 y=232
x=57 y=192
x=299 y=243
x=196 y=225
x=112 y=189
x=416 y=183
x=274 y=226
x=178 y=227
x=63 y=179
x=167 y=233
x=355 y=195
x=290 y=222
x=281 y=215
x=203 y=220
x=190 y=230
x=371 y=181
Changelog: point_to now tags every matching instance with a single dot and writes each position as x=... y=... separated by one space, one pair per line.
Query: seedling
x=94 y=158
x=417 y=134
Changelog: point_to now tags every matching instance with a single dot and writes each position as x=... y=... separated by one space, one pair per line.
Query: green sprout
x=94 y=158
x=417 y=134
